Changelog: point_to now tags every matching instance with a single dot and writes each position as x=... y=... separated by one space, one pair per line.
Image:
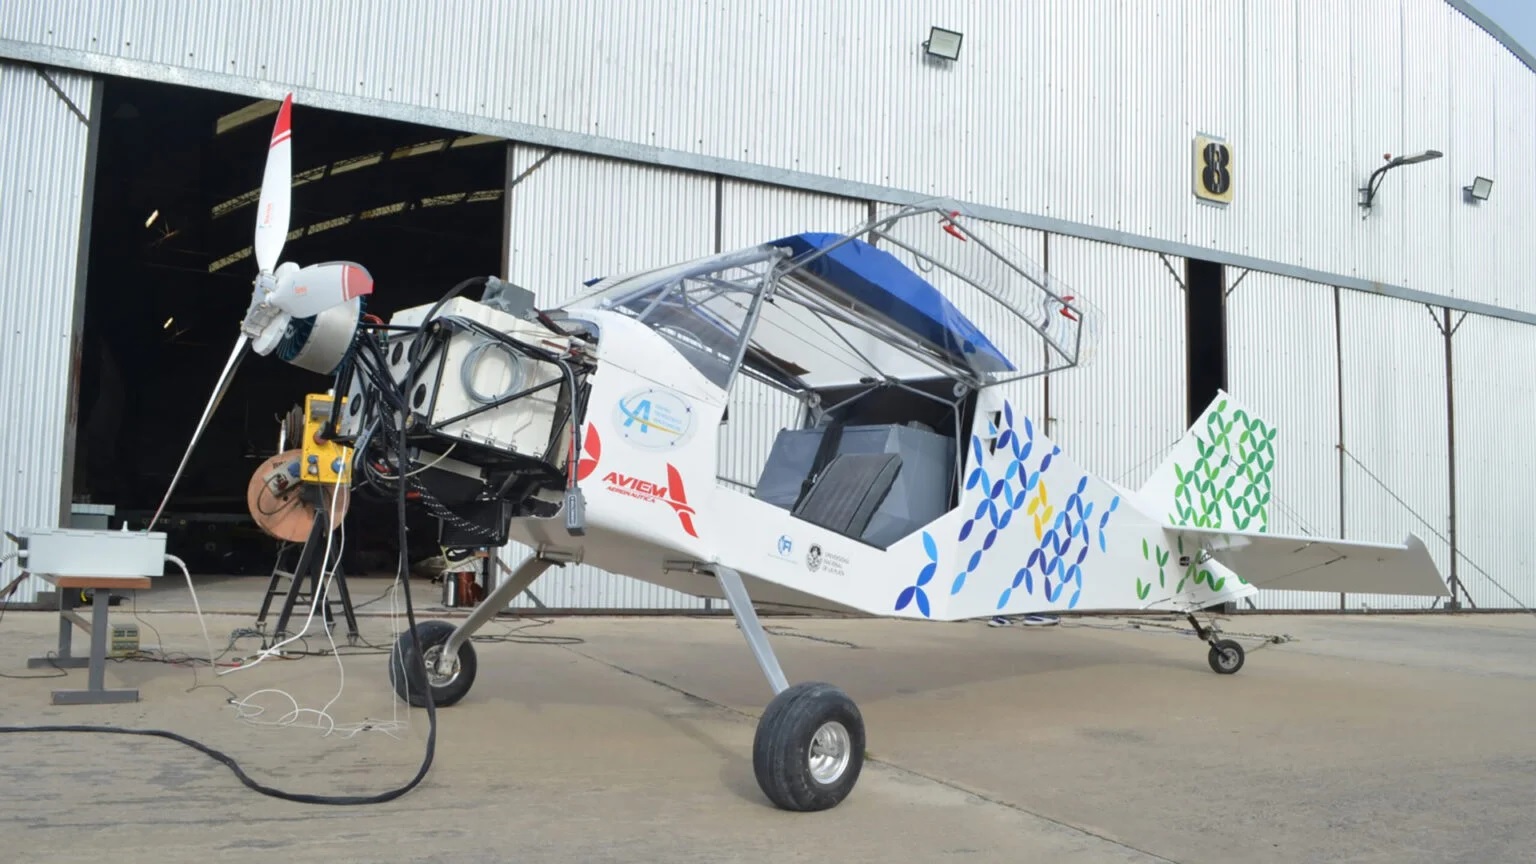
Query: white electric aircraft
x=911 y=485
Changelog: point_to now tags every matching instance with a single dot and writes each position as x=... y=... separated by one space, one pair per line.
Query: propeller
x=286 y=291
x=282 y=292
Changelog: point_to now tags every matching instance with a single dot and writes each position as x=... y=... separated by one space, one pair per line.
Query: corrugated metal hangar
x=1319 y=207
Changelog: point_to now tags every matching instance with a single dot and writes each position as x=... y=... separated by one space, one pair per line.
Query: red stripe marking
x=355 y=282
x=284 y=125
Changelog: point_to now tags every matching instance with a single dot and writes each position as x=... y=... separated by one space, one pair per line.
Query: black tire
x=787 y=740
x=404 y=658
x=1225 y=657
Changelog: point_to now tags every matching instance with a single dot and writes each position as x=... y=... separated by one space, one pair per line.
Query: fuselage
x=1031 y=531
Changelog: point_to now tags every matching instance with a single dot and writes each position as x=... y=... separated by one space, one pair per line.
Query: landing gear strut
x=1226 y=655
x=809 y=747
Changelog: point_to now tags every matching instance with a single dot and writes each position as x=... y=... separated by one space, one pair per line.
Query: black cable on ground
x=303 y=798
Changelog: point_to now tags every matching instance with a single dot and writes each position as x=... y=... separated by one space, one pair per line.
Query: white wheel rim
x=831 y=749
x=1228 y=658
x=436 y=679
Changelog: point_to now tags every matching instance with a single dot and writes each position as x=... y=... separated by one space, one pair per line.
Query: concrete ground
x=1362 y=739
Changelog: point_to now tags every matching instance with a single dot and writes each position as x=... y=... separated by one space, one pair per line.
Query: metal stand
x=310 y=565
x=96 y=692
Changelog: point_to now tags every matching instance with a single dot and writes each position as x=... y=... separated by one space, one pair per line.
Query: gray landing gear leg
x=447 y=657
x=1226 y=655
x=809 y=747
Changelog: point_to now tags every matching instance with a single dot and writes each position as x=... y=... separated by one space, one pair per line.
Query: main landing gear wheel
x=1226 y=656
x=409 y=671
x=809 y=747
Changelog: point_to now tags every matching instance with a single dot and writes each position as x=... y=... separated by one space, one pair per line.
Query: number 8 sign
x=1213 y=169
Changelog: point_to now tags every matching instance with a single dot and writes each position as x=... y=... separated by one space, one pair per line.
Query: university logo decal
x=654 y=419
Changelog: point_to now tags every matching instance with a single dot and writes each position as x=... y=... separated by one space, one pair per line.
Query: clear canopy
x=924 y=292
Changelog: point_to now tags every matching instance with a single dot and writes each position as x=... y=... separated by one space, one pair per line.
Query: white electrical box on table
x=83 y=552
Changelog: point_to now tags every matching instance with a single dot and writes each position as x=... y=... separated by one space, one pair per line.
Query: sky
x=1517 y=17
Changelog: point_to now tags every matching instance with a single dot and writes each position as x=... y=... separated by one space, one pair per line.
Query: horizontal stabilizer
x=1283 y=563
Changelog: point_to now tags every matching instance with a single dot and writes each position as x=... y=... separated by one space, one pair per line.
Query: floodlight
x=943 y=44
x=1480 y=189
x=1417 y=157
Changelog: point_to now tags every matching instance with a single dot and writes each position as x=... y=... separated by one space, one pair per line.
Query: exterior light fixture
x=1368 y=191
x=942 y=44
x=1480 y=189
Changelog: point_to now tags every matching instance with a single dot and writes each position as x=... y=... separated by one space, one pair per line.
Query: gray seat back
x=849 y=492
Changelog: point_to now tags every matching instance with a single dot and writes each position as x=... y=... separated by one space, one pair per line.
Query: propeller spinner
x=282 y=292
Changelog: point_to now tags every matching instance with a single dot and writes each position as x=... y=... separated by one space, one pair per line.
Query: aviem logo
x=671 y=493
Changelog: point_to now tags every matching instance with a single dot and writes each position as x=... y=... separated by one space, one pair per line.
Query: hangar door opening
x=170 y=276
x=1205 y=309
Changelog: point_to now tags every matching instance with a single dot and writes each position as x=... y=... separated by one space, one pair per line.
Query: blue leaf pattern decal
x=1002 y=483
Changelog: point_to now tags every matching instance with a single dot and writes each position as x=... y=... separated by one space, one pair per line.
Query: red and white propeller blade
x=276 y=191
x=316 y=288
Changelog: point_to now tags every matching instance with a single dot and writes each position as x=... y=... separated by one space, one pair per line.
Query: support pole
x=1450 y=436
x=1338 y=355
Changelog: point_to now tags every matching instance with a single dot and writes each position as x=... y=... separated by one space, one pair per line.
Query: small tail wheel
x=410 y=672
x=809 y=747
x=1226 y=656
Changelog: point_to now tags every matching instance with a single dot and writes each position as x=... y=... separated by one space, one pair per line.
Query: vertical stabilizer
x=1220 y=474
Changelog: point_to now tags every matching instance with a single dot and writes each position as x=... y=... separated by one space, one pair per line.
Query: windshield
x=701 y=307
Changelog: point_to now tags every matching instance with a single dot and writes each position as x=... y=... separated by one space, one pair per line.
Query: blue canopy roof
x=876 y=279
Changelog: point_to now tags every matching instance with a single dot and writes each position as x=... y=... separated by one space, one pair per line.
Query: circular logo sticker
x=654 y=419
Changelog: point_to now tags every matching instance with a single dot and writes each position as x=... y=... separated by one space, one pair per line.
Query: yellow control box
x=326 y=462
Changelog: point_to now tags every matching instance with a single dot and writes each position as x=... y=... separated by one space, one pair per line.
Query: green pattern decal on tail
x=1228 y=483
x=1218 y=476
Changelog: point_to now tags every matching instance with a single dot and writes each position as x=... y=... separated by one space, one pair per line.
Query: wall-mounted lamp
x=942 y=44
x=1480 y=189
x=1368 y=191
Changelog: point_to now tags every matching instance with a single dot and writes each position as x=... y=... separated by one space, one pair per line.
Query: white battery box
x=472 y=370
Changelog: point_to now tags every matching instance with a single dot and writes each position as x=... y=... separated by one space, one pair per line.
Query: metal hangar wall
x=1390 y=343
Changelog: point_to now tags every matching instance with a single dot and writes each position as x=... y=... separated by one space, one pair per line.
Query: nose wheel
x=412 y=672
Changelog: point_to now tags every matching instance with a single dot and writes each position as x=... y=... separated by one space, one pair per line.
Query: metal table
x=96 y=691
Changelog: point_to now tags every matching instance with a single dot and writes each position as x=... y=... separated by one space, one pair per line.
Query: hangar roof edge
x=1466 y=8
